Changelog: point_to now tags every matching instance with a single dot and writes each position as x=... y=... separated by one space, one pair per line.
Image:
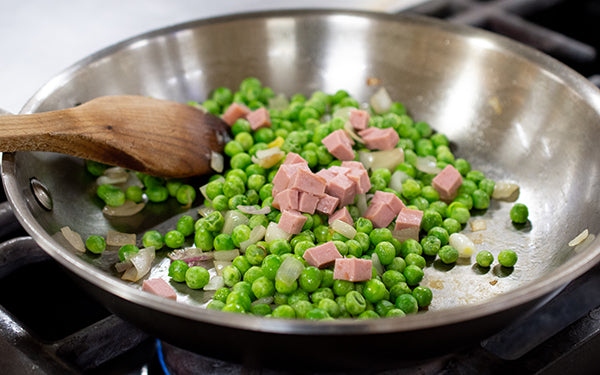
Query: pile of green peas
x=250 y=281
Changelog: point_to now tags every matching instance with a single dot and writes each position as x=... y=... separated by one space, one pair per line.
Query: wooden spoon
x=157 y=137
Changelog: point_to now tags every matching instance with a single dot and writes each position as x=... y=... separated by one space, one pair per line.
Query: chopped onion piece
x=343 y=228
x=123 y=266
x=427 y=164
x=361 y=203
x=389 y=159
x=73 y=238
x=280 y=102
x=506 y=191
x=579 y=238
x=343 y=113
x=103 y=180
x=463 y=244
x=220 y=264
x=478 y=224
x=265 y=300
x=189 y=252
x=350 y=130
x=217 y=161
x=398 y=177
x=204 y=211
x=251 y=210
x=269 y=157
x=377 y=264
x=256 y=234
x=233 y=218
x=226 y=255
x=128 y=208
x=142 y=262
x=381 y=101
x=203 y=188
x=114 y=238
x=274 y=232
x=289 y=271
x=215 y=283
x=366 y=158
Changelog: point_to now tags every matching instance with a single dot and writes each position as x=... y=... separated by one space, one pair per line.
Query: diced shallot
x=274 y=232
x=265 y=300
x=389 y=159
x=343 y=228
x=251 y=210
x=269 y=157
x=427 y=164
x=142 y=262
x=129 y=208
x=225 y=255
x=506 y=191
x=377 y=264
x=579 y=238
x=361 y=203
x=478 y=224
x=256 y=234
x=123 y=266
x=289 y=271
x=114 y=238
x=220 y=264
x=381 y=101
x=233 y=218
x=204 y=211
x=217 y=161
x=73 y=238
x=350 y=130
x=215 y=283
x=398 y=177
x=463 y=244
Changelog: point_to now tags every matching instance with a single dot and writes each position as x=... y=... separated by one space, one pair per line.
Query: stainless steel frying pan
x=515 y=113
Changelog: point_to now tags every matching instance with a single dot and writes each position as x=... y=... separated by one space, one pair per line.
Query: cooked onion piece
x=217 y=162
x=114 y=238
x=215 y=283
x=289 y=271
x=142 y=262
x=506 y=191
x=233 y=218
x=381 y=101
x=579 y=238
x=73 y=238
x=225 y=255
x=463 y=244
x=478 y=224
x=128 y=208
x=251 y=210
x=274 y=232
x=343 y=228
x=256 y=234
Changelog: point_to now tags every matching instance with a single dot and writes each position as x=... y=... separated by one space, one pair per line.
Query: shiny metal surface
x=516 y=114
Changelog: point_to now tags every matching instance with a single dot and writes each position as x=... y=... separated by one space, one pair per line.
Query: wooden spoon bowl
x=154 y=136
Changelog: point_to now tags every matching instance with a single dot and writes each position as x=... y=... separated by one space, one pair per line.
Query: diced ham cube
x=342 y=214
x=291 y=221
x=282 y=177
x=307 y=202
x=359 y=119
x=159 y=287
x=293 y=158
x=353 y=269
x=322 y=255
x=379 y=139
x=358 y=174
x=408 y=224
x=388 y=199
x=447 y=182
x=234 y=112
x=343 y=188
x=327 y=204
x=307 y=182
x=326 y=174
x=380 y=215
x=288 y=199
x=353 y=165
x=338 y=170
x=339 y=144
x=259 y=118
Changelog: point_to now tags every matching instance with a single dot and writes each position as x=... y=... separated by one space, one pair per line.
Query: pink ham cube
x=288 y=199
x=322 y=255
x=338 y=170
x=358 y=174
x=388 y=199
x=447 y=182
x=159 y=287
x=307 y=202
x=342 y=188
x=291 y=221
x=353 y=269
x=379 y=139
x=339 y=144
x=259 y=118
x=327 y=204
x=380 y=215
x=343 y=215
x=307 y=182
x=359 y=119
x=326 y=174
x=408 y=224
x=293 y=158
x=234 y=112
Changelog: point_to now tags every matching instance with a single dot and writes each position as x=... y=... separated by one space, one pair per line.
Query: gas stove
x=59 y=329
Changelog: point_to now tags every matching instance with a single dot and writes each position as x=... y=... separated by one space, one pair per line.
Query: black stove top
x=58 y=329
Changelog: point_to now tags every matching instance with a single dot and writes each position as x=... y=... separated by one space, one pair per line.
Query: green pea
x=284 y=311
x=394 y=313
x=270 y=265
x=507 y=258
x=177 y=270
x=385 y=252
x=241 y=126
x=364 y=240
x=383 y=307
x=279 y=247
x=286 y=288
x=411 y=246
x=302 y=308
x=174 y=239
x=330 y=306
x=374 y=290
x=203 y=239
x=487 y=186
x=96 y=168
x=448 y=254
x=440 y=207
x=363 y=225
x=460 y=214
x=157 y=194
x=475 y=176
x=239 y=298
x=255 y=255
x=134 y=193
x=240 y=234
x=185 y=195
x=407 y=303
x=440 y=233
x=253 y=273
x=234 y=307
x=215 y=305
x=484 y=258
x=111 y=195
x=196 y=277
x=465 y=199
x=185 y=225
x=451 y=226
x=380 y=234
x=260 y=309
x=323 y=292
x=413 y=274
x=127 y=251
x=355 y=303
x=231 y=275
x=237 y=200
x=241 y=263
x=354 y=248
x=221 y=294
x=302 y=246
x=223 y=241
x=263 y=287
x=431 y=218
x=481 y=199
x=519 y=213
x=415 y=259
x=153 y=238
x=398 y=289
x=310 y=279
x=398 y=264
x=220 y=203
x=392 y=277
x=342 y=287
x=95 y=244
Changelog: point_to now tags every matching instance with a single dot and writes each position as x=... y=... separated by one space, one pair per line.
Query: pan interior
x=514 y=114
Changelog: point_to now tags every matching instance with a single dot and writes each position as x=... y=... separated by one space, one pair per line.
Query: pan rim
x=562 y=275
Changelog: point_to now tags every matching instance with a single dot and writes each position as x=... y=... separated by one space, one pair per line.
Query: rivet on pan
x=41 y=193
